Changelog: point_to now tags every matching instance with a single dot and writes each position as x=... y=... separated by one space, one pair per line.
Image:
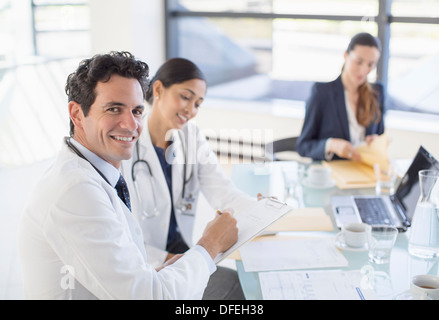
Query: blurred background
x=260 y=57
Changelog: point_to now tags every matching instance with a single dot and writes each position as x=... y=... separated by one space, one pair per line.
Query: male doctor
x=78 y=238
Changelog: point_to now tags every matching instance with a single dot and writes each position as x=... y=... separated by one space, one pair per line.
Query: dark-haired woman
x=172 y=165
x=347 y=111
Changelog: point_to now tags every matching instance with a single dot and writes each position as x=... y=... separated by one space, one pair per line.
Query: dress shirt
x=108 y=170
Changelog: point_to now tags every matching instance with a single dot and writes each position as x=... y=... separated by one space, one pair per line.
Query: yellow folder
x=375 y=152
x=303 y=219
x=353 y=174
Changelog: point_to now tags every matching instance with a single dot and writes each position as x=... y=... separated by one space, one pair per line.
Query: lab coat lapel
x=178 y=166
x=134 y=227
x=184 y=221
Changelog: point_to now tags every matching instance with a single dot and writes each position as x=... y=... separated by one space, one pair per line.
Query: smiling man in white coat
x=78 y=238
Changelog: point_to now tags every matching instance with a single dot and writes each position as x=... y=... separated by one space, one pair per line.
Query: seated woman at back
x=342 y=113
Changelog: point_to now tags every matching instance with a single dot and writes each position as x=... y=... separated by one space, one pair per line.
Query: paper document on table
x=291 y=254
x=303 y=219
x=254 y=220
x=375 y=152
x=316 y=285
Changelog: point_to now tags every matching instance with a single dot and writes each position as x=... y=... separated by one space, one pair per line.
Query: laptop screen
x=408 y=190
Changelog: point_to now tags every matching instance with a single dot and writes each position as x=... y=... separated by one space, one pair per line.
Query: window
x=41 y=43
x=276 y=49
x=61 y=28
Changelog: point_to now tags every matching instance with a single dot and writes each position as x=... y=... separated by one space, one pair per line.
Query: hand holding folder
x=376 y=152
x=352 y=174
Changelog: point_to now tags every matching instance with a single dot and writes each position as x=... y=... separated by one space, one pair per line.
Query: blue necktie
x=122 y=191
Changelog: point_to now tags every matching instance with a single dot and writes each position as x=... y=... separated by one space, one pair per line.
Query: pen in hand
x=260 y=197
x=220 y=212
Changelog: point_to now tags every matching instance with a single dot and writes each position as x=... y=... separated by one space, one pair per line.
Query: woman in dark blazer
x=344 y=112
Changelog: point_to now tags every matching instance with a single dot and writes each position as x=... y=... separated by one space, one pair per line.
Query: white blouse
x=357 y=132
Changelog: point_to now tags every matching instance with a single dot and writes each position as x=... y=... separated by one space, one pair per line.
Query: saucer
x=341 y=244
x=407 y=295
x=308 y=184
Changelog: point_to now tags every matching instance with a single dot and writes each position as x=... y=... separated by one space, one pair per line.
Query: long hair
x=368 y=109
x=174 y=71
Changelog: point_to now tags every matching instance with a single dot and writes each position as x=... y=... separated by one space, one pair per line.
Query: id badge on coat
x=187 y=206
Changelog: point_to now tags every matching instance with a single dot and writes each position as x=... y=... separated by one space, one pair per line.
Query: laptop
x=397 y=209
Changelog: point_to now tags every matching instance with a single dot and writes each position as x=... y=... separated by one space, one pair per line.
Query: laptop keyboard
x=373 y=210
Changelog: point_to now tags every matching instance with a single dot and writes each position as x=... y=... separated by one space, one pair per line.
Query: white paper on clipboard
x=252 y=221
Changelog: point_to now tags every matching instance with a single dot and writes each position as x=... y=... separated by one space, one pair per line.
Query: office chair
x=286 y=144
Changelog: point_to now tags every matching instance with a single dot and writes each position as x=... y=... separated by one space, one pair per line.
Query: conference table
x=284 y=180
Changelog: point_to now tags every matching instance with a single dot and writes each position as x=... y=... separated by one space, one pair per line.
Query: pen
x=219 y=211
x=271 y=198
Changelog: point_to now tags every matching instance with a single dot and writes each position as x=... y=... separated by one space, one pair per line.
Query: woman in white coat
x=172 y=163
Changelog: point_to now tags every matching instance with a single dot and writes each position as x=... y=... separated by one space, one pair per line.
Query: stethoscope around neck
x=181 y=205
x=79 y=154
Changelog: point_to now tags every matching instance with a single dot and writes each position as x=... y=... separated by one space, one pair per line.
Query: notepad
x=255 y=220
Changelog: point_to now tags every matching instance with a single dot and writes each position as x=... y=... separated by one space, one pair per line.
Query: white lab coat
x=77 y=240
x=207 y=177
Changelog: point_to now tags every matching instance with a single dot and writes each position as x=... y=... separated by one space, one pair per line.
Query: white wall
x=406 y=135
x=136 y=26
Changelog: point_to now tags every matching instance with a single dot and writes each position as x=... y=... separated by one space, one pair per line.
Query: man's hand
x=220 y=233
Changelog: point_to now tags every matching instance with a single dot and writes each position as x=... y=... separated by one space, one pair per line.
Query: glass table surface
x=389 y=281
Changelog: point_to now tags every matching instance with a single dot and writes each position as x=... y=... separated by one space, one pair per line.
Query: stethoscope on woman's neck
x=181 y=205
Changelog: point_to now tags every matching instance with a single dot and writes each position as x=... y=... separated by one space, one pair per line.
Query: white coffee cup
x=425 y=287
x=319 y=175
x=356 y=234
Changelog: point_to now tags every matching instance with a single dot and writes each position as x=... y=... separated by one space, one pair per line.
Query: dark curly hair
x=81 y=84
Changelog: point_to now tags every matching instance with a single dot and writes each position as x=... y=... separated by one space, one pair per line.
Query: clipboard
x=254 y=220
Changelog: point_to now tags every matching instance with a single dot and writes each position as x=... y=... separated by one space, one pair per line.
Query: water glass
x=385 y=179
x=291 y=194
x=381 y=241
